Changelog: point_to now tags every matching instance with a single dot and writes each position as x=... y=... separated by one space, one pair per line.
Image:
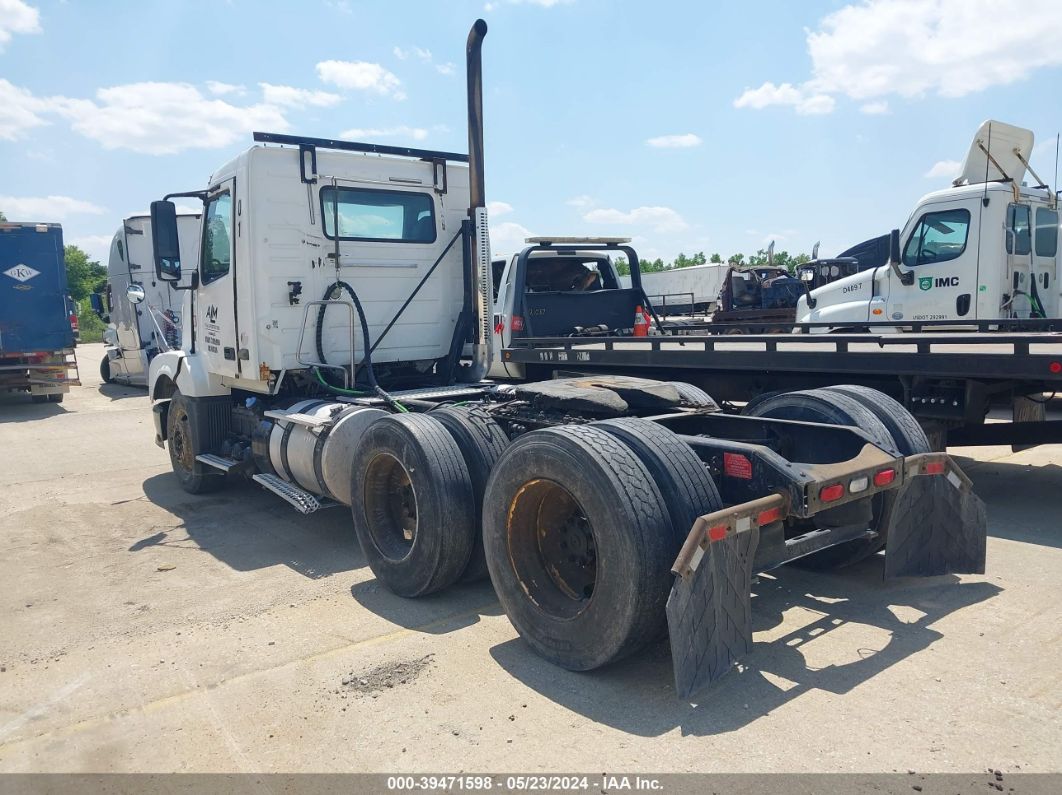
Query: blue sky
x=685 y=125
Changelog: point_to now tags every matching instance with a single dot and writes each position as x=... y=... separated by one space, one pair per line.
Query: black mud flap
x=709 y=611
x=936 y=525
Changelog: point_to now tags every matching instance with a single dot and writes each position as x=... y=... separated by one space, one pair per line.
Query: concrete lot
x=144 y=629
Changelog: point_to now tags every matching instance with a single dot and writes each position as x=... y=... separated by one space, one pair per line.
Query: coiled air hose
x=366 y=363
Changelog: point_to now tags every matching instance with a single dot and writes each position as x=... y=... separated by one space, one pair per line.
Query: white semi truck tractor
x=143 y=313
x=336 y=334
x=984 y=249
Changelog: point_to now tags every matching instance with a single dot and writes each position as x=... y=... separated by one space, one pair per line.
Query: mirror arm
x=906 y=277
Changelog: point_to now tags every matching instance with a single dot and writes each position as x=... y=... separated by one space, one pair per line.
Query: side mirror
x=135 y=293
x=96 y=302
x=906 y=277
x=165 y=244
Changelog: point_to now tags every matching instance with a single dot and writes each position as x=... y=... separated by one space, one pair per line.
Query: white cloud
x=911 y=48
x=661 y=219
x=875 y=108
x=683 y=141
x=944 y=168
x=221 y=89
x=508 y=237
x=98 y=247
x=805 y=102
x=582 y=202
x=17 y=17
x=401 y=131
x=165 y=118
x=288 y=96
x=495 y=209
x=361 y=76
x=541 y=3
x=447 y=68
x=417 y=52
x=19 y=111
x=46 y=208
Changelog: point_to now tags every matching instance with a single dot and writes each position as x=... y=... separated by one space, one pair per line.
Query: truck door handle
x=230 y=353
x=962 y=304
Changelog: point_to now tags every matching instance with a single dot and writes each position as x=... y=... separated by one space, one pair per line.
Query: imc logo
x=928 y=282
x=212 y=311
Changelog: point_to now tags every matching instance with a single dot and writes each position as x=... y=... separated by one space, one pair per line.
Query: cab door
x=941 y=253
x=1045 y=254
x=215 y=311
x=1018 y=279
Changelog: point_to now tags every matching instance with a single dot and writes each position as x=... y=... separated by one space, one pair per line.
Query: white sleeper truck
x=143 y=313
x=984 y=249
x=336 y=334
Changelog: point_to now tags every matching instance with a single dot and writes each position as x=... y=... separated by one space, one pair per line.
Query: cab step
x=303 y=501
x=218 y=461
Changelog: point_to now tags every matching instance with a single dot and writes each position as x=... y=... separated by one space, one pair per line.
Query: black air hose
x=366 y=362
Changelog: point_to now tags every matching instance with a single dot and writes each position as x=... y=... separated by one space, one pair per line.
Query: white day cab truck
x=984 y=249
x=336 y=335
x=142 y=312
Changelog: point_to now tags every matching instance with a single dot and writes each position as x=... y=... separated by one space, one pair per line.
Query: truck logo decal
x=21 y=273
x=212 y=313
x=928 y=282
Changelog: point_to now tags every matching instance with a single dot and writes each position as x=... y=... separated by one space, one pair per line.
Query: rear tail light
x=717 y=533
x=934 y=468
x=857 y=485
x=517 y=323
x=831 y=493
x=769 y=516
x=1055 y=367
x=883 y=477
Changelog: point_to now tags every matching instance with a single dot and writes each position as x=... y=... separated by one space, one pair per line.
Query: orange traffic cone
x=641 y=322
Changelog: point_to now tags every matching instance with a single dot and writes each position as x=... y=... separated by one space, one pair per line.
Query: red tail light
x=934 y=468
x=883 y=477
x=517 y=323
x=1055 y=367
x=831 y=493
x=769 y=516
x=717 y=533
x=73 y=322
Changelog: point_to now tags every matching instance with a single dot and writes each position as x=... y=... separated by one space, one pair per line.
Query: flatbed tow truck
x=949 y=380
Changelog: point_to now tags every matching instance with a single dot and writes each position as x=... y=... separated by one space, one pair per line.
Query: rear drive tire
x=579 y=545
x=413 y=505
x=105 y=370
x=694 y=396
x=833 y=408
x=684 y=482
x=908 y=435
x=481 y=441
x=194 y=477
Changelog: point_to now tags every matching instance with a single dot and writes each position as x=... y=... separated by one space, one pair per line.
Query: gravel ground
x=144 y=629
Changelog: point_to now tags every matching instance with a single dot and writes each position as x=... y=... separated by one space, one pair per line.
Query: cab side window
x=1019 y=240
x=217 y=239
x=938 y=237
x=1046 y=232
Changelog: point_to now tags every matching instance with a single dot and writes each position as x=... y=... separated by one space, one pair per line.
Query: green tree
x=3 y=218
x=715 y=259
x=83 y=276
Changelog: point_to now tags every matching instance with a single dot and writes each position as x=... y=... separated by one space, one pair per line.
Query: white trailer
x=143 y=317
x=984 y=249
x=684 y=291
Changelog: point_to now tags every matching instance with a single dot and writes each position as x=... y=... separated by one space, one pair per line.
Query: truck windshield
x=379 y=215
x=939 y=237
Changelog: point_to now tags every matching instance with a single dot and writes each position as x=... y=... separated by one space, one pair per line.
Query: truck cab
x=143 y=313
x=557 y=287
x=984 y=249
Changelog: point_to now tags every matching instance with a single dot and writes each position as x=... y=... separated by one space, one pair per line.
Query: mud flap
x=709 y=611
x=936 y=524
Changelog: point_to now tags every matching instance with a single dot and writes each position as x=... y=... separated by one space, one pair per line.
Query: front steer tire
x=183 y=446
x=579 y=545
